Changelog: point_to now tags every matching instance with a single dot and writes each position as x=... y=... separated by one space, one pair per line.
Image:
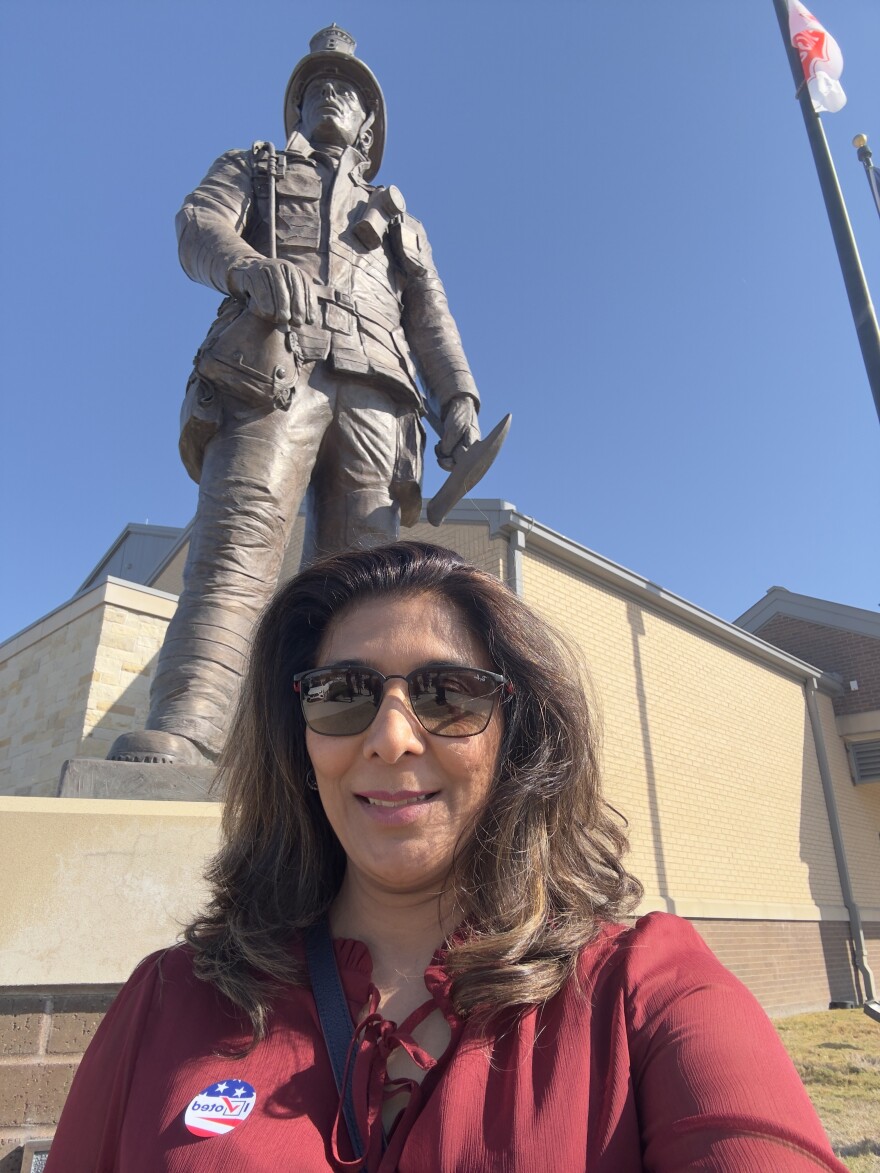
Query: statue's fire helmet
x=331 y=53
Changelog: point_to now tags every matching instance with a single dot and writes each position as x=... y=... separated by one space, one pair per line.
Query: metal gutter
x=872 y=1006
x=780 y=601
x=516 y=544
x=553 y=545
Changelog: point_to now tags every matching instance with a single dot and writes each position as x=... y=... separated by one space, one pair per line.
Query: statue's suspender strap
x=266 y=163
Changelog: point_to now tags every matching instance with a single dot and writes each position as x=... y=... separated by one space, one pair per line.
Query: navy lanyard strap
x=335 y=1018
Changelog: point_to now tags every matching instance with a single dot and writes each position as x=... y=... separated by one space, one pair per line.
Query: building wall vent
x=864 y=757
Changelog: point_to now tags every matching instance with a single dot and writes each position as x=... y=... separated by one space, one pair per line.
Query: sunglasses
x=447 y=700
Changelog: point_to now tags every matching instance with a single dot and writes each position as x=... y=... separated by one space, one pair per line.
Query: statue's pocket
x=252 y=359
x=300 y=182
x=407 y=477
x=338 y=319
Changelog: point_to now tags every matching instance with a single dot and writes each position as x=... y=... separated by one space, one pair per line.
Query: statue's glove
x=273 y=289
x=460 y=430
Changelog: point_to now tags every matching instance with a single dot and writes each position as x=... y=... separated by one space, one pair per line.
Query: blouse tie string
x=376 y=1037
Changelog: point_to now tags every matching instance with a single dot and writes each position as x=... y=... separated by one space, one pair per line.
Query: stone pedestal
x=97 y=778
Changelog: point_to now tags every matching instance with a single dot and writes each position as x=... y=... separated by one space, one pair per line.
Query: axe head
x=469 y=469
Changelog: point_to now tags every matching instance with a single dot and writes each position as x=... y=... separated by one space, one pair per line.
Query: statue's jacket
x=379 y=314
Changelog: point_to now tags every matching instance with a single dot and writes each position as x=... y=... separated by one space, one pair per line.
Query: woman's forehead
x=415 y=629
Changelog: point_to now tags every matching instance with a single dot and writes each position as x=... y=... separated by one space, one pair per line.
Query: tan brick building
x=844 y=642
x=730 y=757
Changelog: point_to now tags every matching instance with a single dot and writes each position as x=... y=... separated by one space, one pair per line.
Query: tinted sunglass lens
x=453 y=702
x=340 y=702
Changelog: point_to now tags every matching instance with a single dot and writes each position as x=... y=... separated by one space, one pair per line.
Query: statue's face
x=332 y=112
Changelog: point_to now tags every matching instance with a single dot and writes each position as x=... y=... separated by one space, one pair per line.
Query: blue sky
x=624 y=210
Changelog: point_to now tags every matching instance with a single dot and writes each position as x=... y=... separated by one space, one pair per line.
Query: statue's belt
x=331 y=293
x=360 y=309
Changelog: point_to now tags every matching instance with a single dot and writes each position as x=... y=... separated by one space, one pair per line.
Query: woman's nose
x=395 y=729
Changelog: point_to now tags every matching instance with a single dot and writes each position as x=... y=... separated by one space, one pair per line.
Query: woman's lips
x=401 y=806
x=394 y=797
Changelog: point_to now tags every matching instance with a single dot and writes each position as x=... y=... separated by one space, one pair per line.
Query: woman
x=413 y=766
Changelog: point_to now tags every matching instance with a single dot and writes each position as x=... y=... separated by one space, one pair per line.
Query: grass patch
x=837 y=1054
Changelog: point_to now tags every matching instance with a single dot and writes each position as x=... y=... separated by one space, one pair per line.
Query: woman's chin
x=399 y=874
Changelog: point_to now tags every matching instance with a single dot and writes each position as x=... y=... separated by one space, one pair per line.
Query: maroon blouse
x=660 y=1061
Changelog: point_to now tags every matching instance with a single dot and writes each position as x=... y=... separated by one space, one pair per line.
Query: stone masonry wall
x=119 y=693
x=44 y=689
x=43 y=1035
x=76 y=679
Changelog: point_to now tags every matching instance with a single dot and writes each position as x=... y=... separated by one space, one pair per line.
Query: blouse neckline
x=375 y=1038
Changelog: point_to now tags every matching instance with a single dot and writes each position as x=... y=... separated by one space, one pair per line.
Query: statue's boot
x=158 y=747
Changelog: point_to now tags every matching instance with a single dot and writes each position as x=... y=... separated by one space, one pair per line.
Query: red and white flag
x=821 y=58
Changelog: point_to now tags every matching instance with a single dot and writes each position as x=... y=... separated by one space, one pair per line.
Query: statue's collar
x=351 y=159
x=298 y=144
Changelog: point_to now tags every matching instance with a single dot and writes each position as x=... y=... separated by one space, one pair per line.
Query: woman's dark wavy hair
x=541 y=867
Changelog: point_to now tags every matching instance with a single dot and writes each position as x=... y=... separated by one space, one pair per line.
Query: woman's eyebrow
x=448 y=664
x=436 y=663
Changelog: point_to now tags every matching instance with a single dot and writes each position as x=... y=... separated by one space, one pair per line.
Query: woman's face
x=370 y=783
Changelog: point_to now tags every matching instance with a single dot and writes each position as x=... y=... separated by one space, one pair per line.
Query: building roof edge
x=650 y=594
x=779 y=601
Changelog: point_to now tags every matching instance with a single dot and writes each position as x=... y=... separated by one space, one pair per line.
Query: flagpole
x=848 y=254
x=863 y=151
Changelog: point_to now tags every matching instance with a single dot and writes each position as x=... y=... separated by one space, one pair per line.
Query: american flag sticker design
x=220 y=1108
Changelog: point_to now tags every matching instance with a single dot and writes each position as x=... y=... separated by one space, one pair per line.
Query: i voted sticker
x=220 y=1108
